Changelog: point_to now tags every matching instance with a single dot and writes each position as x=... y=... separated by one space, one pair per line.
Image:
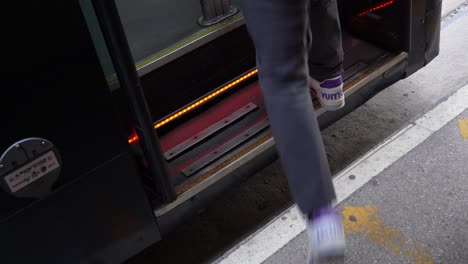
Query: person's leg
x=278 y=29
x=326 y=53
x=325 y=47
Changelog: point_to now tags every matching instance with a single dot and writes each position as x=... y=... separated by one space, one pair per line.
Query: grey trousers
x=294 y=39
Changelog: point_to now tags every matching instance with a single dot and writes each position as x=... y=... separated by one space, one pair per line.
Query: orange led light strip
x=132 y=139
x=198 y=103
x=377 y=7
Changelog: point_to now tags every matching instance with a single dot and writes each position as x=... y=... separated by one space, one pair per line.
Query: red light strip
x=391 y=2
x=132 y=139
x=205 y=99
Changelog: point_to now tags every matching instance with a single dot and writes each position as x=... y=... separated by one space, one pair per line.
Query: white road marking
x=266 y=241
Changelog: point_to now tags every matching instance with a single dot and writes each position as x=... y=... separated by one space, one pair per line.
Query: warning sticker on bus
x=32 y=171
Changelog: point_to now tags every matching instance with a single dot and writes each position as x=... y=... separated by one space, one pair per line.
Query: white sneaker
x=326 y=236
x=329 y=93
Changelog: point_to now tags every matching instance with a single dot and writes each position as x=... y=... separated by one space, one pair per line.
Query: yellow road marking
x=366 y=220
x=463 y=124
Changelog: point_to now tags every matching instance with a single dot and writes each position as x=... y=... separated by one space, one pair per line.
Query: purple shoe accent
x=323 y=211
x=332 y=83
x=333 y=96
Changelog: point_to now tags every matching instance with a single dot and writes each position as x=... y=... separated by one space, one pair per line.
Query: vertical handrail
x=214 y=11
x=116 y=41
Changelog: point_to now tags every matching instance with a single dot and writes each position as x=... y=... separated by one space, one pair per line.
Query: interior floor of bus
x=146 y=24
x=222 y=134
